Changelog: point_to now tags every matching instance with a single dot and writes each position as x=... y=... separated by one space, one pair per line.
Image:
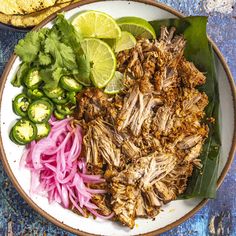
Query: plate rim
x=160 y=230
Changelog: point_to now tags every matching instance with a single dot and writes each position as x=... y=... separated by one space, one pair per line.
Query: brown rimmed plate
x=175 y=212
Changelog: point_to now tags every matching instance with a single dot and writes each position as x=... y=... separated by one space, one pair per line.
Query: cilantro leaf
x=69 y=35
x=44 y=59
x=68 y=57
x=72 y=37
x=83 y=73
x=57 y=74
x=27 y=49
x=51 y=77
x=63 y=55
x=43 y=33
x=46 y=75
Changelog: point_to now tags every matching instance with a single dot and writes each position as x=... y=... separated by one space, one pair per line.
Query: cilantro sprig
x=54 y=52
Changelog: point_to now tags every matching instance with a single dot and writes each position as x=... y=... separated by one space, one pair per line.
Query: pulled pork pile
x=145 y=140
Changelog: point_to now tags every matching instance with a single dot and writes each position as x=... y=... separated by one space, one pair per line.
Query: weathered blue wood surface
x=17 y=216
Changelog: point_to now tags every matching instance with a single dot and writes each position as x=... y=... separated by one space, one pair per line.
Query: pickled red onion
x=58 y=170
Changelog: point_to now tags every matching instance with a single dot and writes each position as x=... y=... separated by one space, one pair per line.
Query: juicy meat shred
x=90 y=143
x=193 y=154
x=123 y=119
x=100 y=146
x=147 y=139
x=190 y=75
x=148 y=204
x=101 y=202
x=189 y=141
x=137 y=107
x=124 y=202
x=140 y=209
x=174 y=183
x=166 y=79
x=130 y=150
x=92 y=103
x=144 y=173
x=152 y=197
x=147 y=170
x=162 y=119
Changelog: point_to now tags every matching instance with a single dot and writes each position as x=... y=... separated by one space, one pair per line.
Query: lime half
x=96 y=24
x=115 y=84
x=126 y=41
x=102 y=61
x=137 y=27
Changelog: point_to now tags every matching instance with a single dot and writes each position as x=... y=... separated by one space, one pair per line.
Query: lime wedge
x=138 y=27
x=102 y=61
x=95 y=24
x=126 y=41
x=115 y=84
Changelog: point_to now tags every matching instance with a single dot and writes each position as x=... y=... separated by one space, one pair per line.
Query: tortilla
x=32 y=19
x=13 y=7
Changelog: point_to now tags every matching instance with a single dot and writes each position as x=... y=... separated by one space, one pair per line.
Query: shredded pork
x=147 y=139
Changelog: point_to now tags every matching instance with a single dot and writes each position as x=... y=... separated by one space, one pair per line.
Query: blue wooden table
x=17 y=217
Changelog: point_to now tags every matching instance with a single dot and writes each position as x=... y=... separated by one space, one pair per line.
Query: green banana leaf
x=203 y=183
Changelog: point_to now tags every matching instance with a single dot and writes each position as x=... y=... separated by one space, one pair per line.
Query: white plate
x=175 y=212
